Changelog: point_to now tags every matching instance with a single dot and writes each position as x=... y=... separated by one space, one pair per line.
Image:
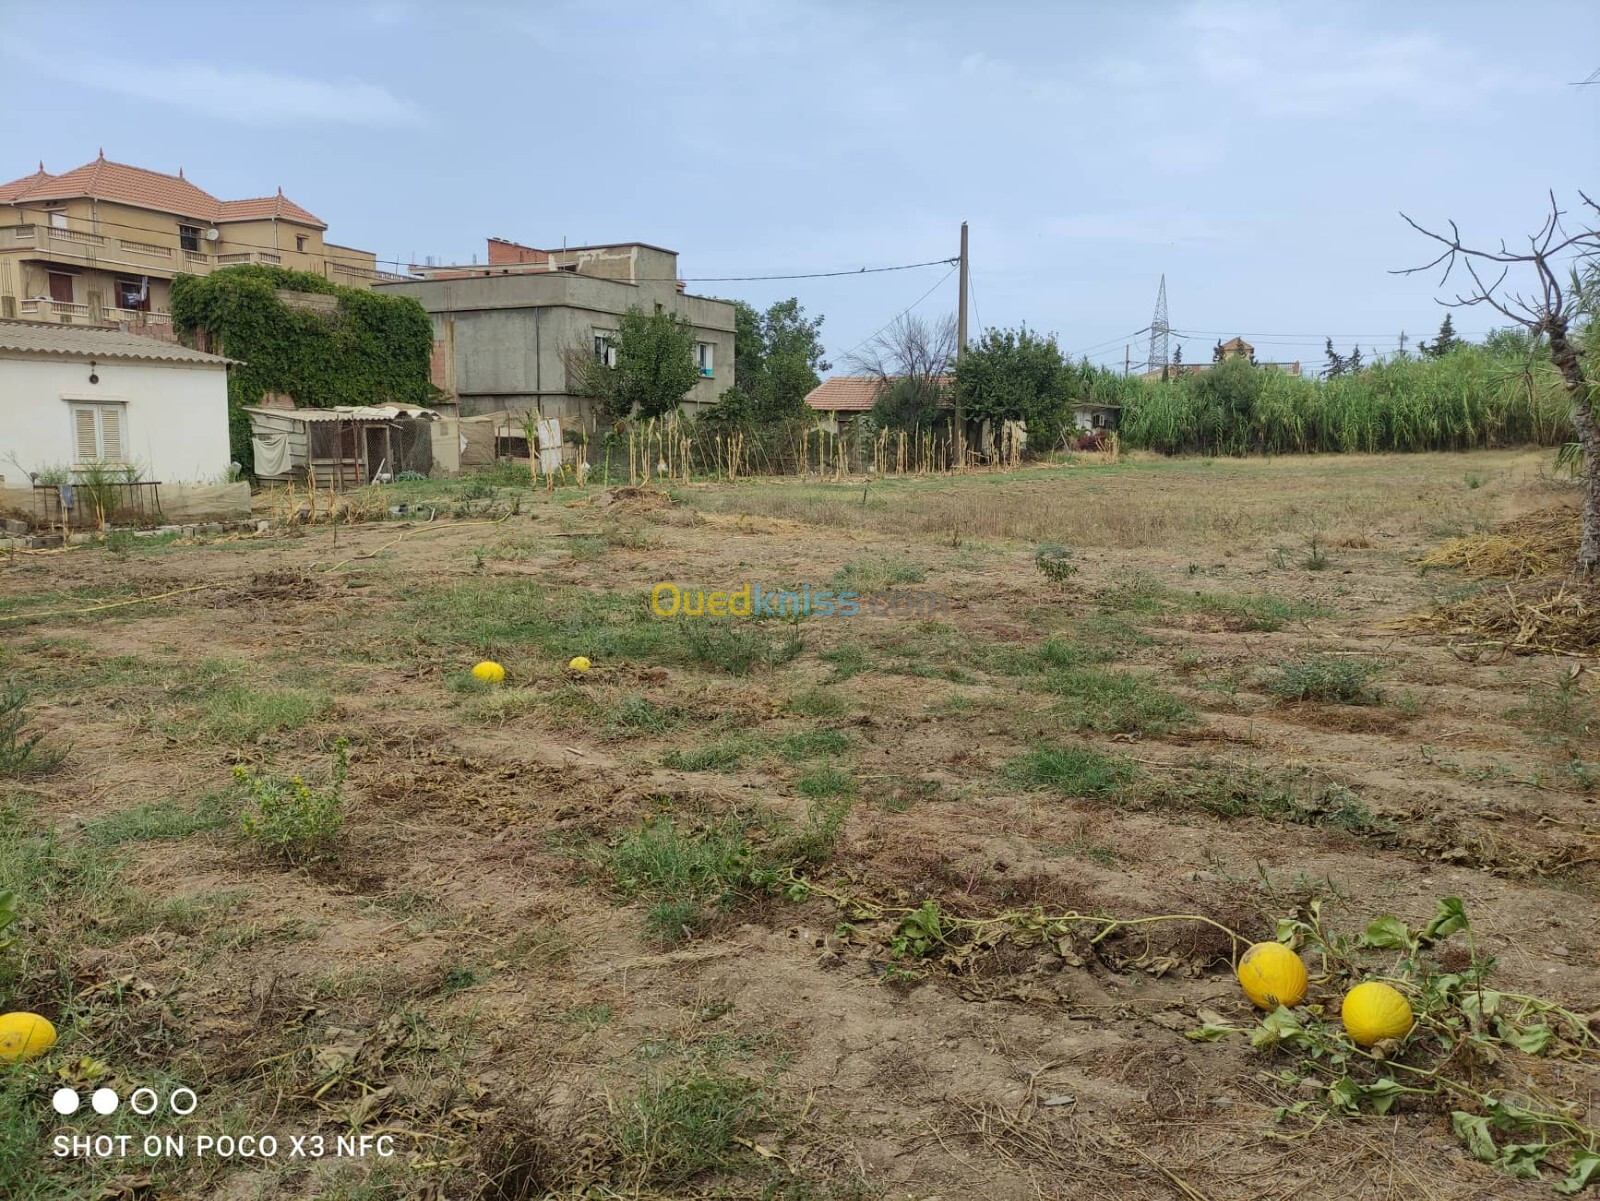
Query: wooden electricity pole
x=961 y=350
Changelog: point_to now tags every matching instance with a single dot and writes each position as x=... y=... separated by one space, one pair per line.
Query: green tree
x=1444 y=343
x=777 y=358
x=1013 y=375
x=655 y=364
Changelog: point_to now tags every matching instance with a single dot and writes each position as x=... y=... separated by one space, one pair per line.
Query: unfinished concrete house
x=505 y=331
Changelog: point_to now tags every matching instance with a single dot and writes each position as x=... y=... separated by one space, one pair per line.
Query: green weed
x=1116 y=702
x=739 y=649
x=866 y=576
x=289 y=817
x=676 y=1128
x=1073 y=771
x=22 y=753
x=1332 y=678
x=812 y=743
x=826 y=782
x=818 y=702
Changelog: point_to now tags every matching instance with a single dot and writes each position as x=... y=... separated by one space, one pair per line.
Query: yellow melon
x=489 y=672
x=1272 y=975
x=24 y=1036
x=1373 y=1012
x=579 y=664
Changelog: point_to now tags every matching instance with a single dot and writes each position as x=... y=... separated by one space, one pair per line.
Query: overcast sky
x=1257 y=154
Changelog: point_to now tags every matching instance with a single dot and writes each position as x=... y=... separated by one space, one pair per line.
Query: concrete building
x=505 y=332
x=101 y=243
x=73 y=397
x=1233 y=348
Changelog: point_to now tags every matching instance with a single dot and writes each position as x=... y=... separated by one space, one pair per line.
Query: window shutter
x=111 y=433
x=83 y=429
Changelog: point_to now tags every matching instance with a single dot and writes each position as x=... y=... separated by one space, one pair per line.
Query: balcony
x=67 y=312
x=249 y=256
x=139 y=316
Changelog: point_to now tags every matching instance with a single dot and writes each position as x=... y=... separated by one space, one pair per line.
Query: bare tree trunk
x=1566 y=359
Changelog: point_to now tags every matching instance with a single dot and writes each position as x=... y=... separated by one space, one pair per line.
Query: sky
x=1257 y=155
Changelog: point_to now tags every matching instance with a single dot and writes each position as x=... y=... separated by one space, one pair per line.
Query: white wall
x=175 y=414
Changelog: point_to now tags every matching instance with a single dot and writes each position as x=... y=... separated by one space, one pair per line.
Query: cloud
x=245 y=95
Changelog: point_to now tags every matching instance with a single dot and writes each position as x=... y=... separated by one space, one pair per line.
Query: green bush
x=289 y=817
x=1337 y=679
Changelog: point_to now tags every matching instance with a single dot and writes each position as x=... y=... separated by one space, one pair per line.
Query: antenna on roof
x=102 y=154
x=180 y=172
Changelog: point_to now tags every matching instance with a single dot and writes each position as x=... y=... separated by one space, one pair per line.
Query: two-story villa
x=101 y=243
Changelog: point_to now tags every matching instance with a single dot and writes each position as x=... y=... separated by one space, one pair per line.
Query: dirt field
x=664 y=929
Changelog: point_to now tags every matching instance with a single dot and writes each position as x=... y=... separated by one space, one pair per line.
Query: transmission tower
x=1159 y=331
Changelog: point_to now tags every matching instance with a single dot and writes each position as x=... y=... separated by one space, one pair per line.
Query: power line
x=1078 y=354
x=898 y=315
x=1300 y=338
x=691 y=279
x=729 y=279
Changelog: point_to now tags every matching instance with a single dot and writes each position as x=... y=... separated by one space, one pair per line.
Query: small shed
x=1089 y=416
x=344 y=447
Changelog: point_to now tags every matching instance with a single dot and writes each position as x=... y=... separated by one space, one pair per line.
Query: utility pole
x=961 y=351
x=1127 y=360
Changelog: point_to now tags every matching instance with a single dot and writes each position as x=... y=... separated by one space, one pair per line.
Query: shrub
x=289 y=817
x=1337 y=679
x=1055 y=563
x=21 y=753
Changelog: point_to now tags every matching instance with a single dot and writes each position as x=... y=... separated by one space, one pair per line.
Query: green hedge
x=373 y=349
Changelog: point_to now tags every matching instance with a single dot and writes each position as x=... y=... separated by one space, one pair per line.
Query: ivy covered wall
x=371 y=349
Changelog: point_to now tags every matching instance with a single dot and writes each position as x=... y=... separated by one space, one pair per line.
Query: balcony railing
x=57 y=308
x=75 y=235
x=139 y=316
x=145 y=248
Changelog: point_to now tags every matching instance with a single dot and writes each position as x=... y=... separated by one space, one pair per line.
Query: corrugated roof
x=852 y=393
x=106 y=180
x=347 y=413
x=87 y=341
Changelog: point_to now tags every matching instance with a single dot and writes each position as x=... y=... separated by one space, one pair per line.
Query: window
x=58 y=217
x=300 y=241
x=97 y=433
x=189 y=237
x=133 y=293
x=605 y=350
x=703 y=358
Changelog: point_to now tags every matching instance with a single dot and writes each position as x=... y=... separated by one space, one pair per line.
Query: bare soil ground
x=559 y=943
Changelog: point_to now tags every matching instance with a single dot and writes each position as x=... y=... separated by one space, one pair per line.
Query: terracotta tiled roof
x=106 y=180
x=851 y=393
x=87 y=342
x=266 y=206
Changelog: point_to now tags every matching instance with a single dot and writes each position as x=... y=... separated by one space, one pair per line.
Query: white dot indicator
x=65 y=1101
x=104 y=1101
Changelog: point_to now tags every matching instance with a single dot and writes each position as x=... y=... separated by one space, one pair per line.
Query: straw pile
x=1553 y=616
x=1539 y=545
x=1541 y=609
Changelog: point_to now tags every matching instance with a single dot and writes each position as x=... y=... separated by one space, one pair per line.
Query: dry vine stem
x=1012 y=916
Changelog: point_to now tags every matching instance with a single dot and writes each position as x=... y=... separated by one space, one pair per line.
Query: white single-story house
x=74 y=395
